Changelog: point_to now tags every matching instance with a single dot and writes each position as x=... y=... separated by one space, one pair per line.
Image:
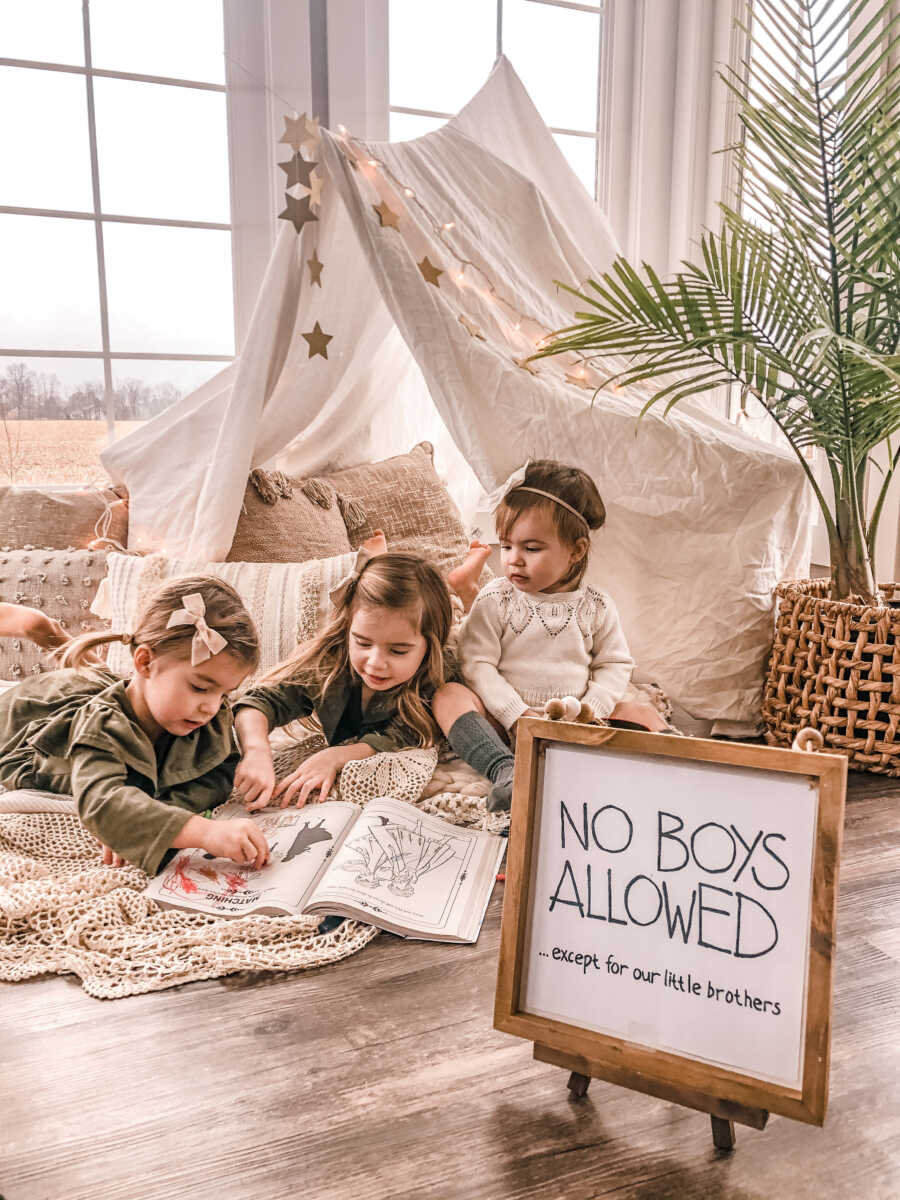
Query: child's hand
x=110 y=858
x=41 y=629
x=318 y=772
x=254 y=778
x=239 y=839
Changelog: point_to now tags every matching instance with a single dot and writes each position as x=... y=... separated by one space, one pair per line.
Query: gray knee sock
x=476 y=742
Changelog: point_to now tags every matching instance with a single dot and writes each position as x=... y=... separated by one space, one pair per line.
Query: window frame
x=598 y=9
x=262 y=51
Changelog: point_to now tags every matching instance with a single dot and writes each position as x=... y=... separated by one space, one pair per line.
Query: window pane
x=556 y=52
x=163 y=151
x=42 y=31
x=44 y=169
x=441 y=51
x=405 y=126
x=582 y=155
x=169 y=289
x=53 y=420
x=144 y=389
x=168 y=37
x=50 y=267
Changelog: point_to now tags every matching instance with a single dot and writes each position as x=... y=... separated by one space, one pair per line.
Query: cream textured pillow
x=288 y=601
x=405 y=497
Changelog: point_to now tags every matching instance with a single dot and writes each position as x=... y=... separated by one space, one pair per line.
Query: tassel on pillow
x=271 y=486
x=318 y=492
x=355 y=516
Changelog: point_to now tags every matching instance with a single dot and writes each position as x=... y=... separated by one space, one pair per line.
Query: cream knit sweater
x=518 y=650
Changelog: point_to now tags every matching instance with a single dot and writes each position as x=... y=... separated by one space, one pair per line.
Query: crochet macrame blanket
x=63 y=912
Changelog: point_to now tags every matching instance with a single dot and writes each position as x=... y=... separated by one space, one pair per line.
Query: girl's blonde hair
x=573 y=486
x=400 y=582
x=225 y=613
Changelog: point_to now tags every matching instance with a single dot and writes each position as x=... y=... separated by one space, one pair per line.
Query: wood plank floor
x=382 y=1077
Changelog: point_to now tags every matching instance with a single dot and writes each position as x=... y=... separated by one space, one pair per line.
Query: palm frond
x=797 y=299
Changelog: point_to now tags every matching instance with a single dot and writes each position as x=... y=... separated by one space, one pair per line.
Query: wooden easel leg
x=722 y=1133
x=578 y=1084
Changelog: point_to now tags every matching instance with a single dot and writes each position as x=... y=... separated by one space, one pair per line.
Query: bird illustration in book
x=308 y=836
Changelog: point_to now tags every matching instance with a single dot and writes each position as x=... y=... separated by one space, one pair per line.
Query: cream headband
x=206 y=642
x=515 y=484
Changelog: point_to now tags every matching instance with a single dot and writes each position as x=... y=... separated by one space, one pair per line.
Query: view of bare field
x=55 y=451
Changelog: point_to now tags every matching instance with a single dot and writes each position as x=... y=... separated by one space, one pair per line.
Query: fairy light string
x=520 y=328
x=581 y=374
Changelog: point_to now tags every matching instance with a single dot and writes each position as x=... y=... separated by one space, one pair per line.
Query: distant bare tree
x=16 y=396
x=132 y=400
x=86 y=402
x=164 y=396
x=49 y=401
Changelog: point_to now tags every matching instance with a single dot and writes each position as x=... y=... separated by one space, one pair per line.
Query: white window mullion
x=108 y=393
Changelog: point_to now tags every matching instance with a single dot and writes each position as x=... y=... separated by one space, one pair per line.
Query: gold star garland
x=386 y=217
x=300 y=131
x=581 y=375
x=471 y=328
x=298 y=171
x=298 y=211
x=429 y=271
x=318 y=341
x=315 y=269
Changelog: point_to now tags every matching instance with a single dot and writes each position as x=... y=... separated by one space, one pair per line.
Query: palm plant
x=797 y=299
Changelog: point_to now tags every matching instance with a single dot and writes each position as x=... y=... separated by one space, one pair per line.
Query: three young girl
x=145 y=757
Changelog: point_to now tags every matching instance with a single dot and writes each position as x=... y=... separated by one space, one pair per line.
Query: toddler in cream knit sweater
x=539 y=632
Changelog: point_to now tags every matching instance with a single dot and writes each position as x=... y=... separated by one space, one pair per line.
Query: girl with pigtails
x=144 y=756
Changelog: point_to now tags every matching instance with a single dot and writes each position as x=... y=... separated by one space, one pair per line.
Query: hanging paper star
x=315 y=269
x=298 y=170
x=524 y=365
x=387 y=217
x=314 y=189
x=318 y=341
x=430 y=271
x=471 y=328
x=300 y=131
x=298 y=211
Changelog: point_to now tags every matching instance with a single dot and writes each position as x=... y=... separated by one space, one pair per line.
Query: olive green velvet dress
x=75 y=733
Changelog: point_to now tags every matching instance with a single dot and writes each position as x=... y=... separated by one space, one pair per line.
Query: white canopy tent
x=702 y=520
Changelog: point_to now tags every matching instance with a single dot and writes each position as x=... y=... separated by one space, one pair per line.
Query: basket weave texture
x=835 y=666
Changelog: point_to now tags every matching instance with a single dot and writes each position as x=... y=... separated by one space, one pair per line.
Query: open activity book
x=387 y=864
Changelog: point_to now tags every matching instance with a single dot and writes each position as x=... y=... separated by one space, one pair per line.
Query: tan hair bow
x=206 y=642
x=342 y=591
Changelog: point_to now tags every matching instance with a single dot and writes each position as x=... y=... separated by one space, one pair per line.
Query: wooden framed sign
x=669 y=915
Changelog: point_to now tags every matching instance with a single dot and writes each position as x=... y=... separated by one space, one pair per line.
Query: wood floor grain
x=381 y=1077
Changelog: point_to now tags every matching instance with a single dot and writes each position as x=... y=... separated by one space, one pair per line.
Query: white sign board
x=669 y=905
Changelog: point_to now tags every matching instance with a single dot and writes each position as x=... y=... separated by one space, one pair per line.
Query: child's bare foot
x=376 y=544
x=464 y=578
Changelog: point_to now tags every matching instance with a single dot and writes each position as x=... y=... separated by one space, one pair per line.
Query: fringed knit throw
x=63 y=912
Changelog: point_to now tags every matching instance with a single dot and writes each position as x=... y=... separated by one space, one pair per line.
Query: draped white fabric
x=702 y=522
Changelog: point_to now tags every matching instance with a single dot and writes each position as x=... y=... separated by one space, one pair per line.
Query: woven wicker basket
x=836 y=667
